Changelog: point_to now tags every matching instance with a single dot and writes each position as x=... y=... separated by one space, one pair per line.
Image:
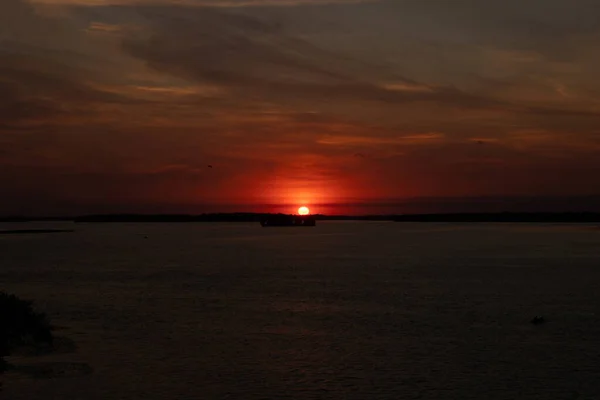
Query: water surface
x=345 y=310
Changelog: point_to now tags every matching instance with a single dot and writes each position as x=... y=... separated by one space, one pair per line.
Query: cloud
x=259 y=60
x=396 y=139
x=143 y=95
x=47 y=67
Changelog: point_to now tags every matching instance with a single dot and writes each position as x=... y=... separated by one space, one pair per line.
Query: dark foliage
x=21 y=325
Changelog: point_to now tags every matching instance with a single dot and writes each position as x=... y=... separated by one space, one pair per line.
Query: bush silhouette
x=21 y=325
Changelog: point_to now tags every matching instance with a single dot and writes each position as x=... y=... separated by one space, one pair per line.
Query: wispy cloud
x=400 y=139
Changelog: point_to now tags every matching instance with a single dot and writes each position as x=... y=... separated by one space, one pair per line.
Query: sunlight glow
x=303 y=211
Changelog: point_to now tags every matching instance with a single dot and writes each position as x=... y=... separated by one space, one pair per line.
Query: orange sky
x=345 y=106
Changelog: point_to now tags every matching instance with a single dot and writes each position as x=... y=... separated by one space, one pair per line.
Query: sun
x=303 y=211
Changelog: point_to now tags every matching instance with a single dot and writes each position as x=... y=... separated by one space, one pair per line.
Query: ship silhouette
x=287 y=220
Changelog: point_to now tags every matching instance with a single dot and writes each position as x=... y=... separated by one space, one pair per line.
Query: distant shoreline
x=29 y=231
x=563 y=217
x=503 y=217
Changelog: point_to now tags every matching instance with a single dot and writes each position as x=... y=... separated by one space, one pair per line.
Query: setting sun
x=303 y=211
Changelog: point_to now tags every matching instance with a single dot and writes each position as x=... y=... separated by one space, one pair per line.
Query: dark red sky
x=345 y=106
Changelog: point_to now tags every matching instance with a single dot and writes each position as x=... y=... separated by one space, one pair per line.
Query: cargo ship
x=287 y=220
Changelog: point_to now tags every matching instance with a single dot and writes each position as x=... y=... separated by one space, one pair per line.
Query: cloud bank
x=124 y=103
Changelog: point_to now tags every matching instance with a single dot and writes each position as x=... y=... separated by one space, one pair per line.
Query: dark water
x=340 y=311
